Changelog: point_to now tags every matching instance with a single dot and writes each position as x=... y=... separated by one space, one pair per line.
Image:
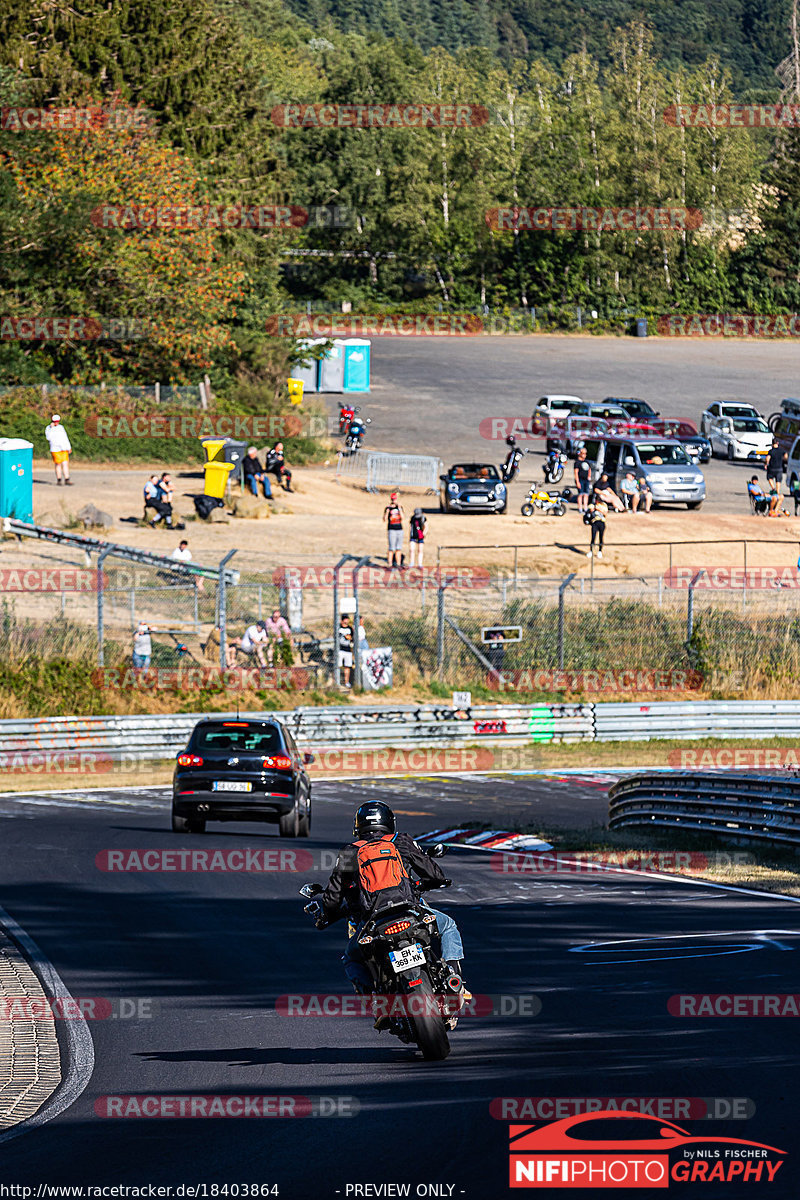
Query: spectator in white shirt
x=252 y=642
x=182 y=552
x=60 y=449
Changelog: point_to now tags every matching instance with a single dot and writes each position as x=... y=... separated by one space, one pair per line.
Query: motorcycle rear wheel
x=428 y=1029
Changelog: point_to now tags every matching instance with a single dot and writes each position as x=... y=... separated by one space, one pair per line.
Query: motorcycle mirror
x=438 y=851
x=369 y=420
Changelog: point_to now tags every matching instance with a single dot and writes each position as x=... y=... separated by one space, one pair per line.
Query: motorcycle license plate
x=232 y=785
x=409 y=956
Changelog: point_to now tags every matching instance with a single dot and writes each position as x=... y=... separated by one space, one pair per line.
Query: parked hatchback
x=472 y=487
x=243 y=770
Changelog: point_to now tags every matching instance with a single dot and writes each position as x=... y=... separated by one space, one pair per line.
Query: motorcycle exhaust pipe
x=455 y=983
x=204 y=808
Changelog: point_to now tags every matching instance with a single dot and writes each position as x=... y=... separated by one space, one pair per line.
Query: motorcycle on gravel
x=356 y=432
x=510 y=468
x=551 y=503
x=346 y=414
x=554 y=466
x=412 y=986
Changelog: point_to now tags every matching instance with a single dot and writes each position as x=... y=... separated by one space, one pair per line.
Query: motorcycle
x=346 y=414
x=548 y=502
x=356 y=432
x=554 y=466
x=402 y=951
x=510 y=468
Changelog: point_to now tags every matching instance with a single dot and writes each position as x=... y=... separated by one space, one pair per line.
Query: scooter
x=509 y=470
x=547 y=502
x=554 y=466
x=356 y=433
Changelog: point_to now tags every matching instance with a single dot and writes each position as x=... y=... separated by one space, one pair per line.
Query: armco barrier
x=162 y=735
x=698 y=719
x=741 y=808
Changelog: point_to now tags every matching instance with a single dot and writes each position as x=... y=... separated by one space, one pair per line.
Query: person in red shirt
x=393 y=516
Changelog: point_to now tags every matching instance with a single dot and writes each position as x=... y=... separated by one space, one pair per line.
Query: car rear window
x=257 y=739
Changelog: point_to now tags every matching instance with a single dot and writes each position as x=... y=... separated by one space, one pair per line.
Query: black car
x=639 y=410
x=475 y=487
x=243 y=770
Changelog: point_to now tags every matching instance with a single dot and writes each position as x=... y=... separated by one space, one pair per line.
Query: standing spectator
x=583 y=479
x=346 y=649
x=276 y=465
x=182 y=553
x=393 y=516
x=254 y=474
x=776 y=464
x=278 y=630
x=416 y=534
x=363 y=644
x=495 y=648
x=252 y=641
x=60 y=449
x=598 y=511
x=142 y=646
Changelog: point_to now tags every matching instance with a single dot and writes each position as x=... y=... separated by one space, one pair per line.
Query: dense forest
x=395 y=218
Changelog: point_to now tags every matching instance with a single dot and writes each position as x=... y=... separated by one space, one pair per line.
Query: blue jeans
x=452 y=949
x=141 y=662
x=251 y=479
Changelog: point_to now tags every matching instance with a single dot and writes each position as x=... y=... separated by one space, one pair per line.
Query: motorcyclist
x=343 y=897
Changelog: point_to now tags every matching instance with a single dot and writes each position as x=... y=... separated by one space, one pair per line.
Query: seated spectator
x=162 y=503
x=630 y=491
x=151 y=496
x=252 y=641
x=758 y=501
x=254 y=474
x=645 y=494
x=276 y=465
x=604 y=490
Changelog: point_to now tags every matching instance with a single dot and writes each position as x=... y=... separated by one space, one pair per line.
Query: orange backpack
x=381 y=867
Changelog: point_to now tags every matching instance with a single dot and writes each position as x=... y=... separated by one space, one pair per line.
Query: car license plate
x=476 y=499
x=409 y=956
x=231 y=785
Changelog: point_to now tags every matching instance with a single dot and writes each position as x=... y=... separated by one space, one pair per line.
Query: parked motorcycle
x=346 y=414
x=402 y=951
x=554 y=466
x=548 y=502
x=510 y=468
x=356 y=432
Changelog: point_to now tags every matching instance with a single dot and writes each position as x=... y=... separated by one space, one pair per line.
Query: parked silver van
x=671 y=475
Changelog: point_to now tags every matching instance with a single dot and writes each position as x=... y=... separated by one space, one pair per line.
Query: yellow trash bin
x=295 y=390
x=215 y=449
x=217 y=478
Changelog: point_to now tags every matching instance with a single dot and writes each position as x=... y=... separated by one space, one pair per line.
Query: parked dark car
x=472 y=487
x=243 y=770
x=639 y=410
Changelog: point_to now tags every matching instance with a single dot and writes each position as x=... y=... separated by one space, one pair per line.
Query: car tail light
x=279 y=762
x=397 y=927
x=189 y=760
x=234 y=724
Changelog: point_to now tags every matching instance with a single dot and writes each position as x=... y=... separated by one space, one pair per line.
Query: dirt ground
x=324 y=518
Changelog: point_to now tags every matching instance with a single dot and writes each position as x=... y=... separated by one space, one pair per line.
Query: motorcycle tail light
x=189 y=760
x=398 y=926
x=278 y=762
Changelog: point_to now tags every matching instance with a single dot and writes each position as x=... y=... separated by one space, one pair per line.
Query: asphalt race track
x=212 y=951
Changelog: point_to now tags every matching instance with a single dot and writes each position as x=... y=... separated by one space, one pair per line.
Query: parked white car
x=740 y=437
x=724 y=408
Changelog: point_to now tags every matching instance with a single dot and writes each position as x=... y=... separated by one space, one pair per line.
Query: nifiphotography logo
x=613 y=1149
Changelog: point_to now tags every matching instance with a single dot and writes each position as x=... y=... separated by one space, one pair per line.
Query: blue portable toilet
x=16 y=479
x=356 y=365
x=331 y=368
x=308 y=371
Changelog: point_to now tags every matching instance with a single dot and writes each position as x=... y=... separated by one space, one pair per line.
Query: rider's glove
x=315 y=910
x=446 y=883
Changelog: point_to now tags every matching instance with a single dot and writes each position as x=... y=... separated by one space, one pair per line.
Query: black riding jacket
x=341 y=896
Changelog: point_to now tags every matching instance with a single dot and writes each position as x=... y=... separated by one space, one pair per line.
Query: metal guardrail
x=402 y=470
x=634 y=721
x=752 y=808
x=162 y=735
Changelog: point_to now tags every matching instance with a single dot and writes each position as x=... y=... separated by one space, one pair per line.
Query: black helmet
x=511 y=440
x=373 y=819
